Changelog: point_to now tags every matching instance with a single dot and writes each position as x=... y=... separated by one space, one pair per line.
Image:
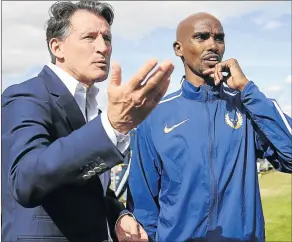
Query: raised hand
x=130 y=103
x=235 y=78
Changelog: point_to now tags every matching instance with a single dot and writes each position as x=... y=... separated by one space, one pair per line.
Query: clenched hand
x=235 y=78
x=130 y=103
x=129 y=230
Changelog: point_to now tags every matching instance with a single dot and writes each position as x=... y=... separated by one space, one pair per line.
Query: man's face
x=87 y=49
x=202 y=45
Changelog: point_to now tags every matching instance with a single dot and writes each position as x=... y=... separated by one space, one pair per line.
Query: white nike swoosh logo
x=167 y=130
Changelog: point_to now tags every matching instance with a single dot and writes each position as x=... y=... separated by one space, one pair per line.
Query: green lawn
x=276 y=199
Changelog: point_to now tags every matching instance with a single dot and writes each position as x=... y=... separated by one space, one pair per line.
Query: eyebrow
x=106 y=33
x=221 y=34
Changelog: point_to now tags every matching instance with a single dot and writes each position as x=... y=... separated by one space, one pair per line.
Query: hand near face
x=128 y=229
x=235 y=78
x=130 y=103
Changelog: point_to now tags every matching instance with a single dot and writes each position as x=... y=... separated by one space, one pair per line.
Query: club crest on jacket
x=234 y=123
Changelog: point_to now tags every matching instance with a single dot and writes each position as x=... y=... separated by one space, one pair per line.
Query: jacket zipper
x=212 y=174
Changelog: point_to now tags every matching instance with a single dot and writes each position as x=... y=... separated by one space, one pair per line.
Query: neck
x=197 y=80
x=74 y=74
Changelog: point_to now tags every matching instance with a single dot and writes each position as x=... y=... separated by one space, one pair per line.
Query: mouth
x=211 y=59
x=100 y=63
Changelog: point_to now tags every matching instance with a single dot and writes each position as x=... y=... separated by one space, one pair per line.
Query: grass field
x=276 y=199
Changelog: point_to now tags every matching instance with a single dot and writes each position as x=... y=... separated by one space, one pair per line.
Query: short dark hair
x=61 y=12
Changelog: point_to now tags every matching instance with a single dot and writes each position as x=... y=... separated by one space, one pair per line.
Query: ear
x=177 y=47
x=56 y=47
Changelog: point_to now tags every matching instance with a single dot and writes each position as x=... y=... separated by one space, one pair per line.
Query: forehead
x=84 y=21
x=208 y=25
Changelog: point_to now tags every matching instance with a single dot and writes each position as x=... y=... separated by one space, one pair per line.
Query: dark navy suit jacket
x=47 y=152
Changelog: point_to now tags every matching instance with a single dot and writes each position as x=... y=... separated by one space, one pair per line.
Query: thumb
x=134 y=229
x=116 y=75
x=143 y=234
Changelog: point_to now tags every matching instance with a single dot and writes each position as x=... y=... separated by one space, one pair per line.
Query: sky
x=258 y=35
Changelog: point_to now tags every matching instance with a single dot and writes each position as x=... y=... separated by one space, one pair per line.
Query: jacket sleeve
x=36 y=162
x=114 y=209
x=144 y=182
x=272 y=127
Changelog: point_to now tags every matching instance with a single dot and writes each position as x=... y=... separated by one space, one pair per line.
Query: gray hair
x=61 y=12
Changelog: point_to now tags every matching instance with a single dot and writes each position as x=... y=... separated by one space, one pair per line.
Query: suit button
x=91 y=173
x=97 y=169
x=86 y=176
x=103 y=166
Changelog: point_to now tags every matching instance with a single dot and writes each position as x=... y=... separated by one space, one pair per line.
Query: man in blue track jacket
x=193 y=174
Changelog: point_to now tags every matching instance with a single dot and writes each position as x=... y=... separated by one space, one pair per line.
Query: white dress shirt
x=86 y=100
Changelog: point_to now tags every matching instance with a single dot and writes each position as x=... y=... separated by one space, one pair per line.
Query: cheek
x=109 y=51
x=79 y=52
x=194 y=51
x=222 y=49
x=195 y=55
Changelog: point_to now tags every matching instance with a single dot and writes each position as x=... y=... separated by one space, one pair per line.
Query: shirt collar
x=71 y=83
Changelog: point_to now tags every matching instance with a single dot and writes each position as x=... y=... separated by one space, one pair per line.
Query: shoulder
x=164 y=108
x=33 y=88
x=170 y=97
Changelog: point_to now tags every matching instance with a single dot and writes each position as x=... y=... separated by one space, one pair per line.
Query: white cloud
x=144 y=17
x=269 y=19
x=288 y=79
x=23 y=24
x=273 y=24
x=274 y=88
x=267 y=23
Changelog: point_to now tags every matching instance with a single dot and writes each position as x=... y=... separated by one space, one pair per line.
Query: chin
x=100 y=76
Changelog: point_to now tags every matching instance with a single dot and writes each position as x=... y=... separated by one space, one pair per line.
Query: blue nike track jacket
x=193 y=174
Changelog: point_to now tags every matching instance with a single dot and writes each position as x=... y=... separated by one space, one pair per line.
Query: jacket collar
x=202 y=93
x=65 y=100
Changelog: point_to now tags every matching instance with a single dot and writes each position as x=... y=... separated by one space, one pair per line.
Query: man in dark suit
x=58 y=148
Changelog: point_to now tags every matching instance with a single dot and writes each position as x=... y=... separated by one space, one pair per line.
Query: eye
x=107 y=38
x=201 y=36
x=89 y=37
x=220 y=39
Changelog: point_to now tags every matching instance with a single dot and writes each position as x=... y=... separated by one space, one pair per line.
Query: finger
x=134 y=230
x=143 y=234
x=123 y=237
x=141 y=75
x=160 y=91
x=126 y=238
x=116 y=75
x=220 y=74
x=224 y=66
x=158 y=77
x=216 y=75
x=209 y=71
x=212 y=76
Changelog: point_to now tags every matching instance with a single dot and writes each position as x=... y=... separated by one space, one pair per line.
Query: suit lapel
x=72 y=110
x=64 y=99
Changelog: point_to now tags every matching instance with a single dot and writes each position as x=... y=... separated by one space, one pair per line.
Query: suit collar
x=64 y=98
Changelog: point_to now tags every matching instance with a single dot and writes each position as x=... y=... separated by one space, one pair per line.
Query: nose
x=212 y=45
x=100 y=45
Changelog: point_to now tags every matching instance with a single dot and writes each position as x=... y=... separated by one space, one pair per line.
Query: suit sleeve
x=37 y=163
x=114 y=209
x=144 y=182
x=272 y=127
